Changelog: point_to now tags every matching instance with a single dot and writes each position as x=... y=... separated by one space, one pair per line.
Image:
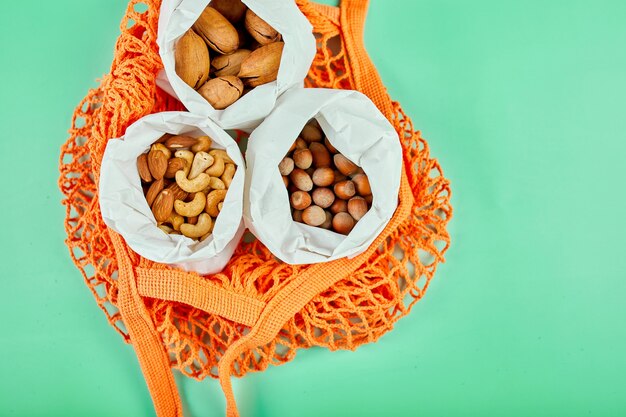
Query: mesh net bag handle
x=257 y=303
x=147 y=341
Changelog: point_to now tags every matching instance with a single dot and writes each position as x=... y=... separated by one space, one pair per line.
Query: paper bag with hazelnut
x=172 y=186
x=323 y=176
x=230 y=59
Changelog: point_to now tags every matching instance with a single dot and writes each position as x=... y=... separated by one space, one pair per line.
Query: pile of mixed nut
x=325 y=188
x=185 y=183
x=249 y=52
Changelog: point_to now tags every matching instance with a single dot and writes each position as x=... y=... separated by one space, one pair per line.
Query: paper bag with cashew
x=362 y=144
x=180 y=183
x=229 y=60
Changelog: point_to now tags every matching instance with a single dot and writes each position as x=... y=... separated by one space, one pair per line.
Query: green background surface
x=523 y=103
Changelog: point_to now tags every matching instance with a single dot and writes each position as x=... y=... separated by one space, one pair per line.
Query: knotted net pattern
x=356 y=310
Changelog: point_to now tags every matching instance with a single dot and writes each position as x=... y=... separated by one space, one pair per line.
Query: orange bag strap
x=146 y=340
x=366 y=78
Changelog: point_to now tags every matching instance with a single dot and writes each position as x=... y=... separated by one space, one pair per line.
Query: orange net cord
x=258 y=311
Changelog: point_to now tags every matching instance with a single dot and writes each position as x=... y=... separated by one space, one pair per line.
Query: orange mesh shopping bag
x=258 y=311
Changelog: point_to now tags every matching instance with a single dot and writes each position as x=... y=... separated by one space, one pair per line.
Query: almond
x=154 y=190
x=217 y=31
x=180 y=142
x=192 y=60
x=179 y=193
x=157 y=163
x=221 y=92
x=163 y=205
x=261 y=66
x=142 y=168
x=173 y=165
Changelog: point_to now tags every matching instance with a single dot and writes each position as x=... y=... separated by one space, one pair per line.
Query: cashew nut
x=192 y=208
x=192 y=186
x=165 y=229
x=175 y=220
x=229 y=173
x=202 y=145
x=217 y=169
x=212 y=200
x=201 y=161
x=199 y=229
x=221 y=152
x=217 y=184
x=186 y=156
x=162 y=148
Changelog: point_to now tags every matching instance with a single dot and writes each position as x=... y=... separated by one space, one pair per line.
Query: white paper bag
x=125 y=210
x=360 y=132
x=177 y=16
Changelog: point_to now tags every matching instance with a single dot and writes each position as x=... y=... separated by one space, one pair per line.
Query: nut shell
x=233 y=10
x=229 y=64
x=323 y=177
x=301 y=180
x=221 y=92
x=303 y=158
x=300 y=200
x=323 y=197
x=260 y=30
x=313 y=216
x=218 y=33
x=192 y=61
x=345 y=189
x=344 y=165
x=286 y=166
x=261 y=66
x=321 y=156
x=339 y=206
x=362 y=184
x=343 y=223
x=357 y=207
x=312 y=133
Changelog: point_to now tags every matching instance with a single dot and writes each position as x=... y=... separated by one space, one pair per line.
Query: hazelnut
x=357 y=207
x=328 y=223
x=302 y=180
x=323 y=177
x=362 y=184
x=339 y=206
x=286 y=166
x=321 y=156
x=344 y=165
x=330 y=147
x=344 y=189
x=301 y=200
x=312 y=133
x=323 y=197
x=314 y=215
x=297 y=216
x=343 y=223
x=303 y=158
